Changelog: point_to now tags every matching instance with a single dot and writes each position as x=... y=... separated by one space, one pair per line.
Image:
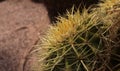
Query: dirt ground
x=22 y=22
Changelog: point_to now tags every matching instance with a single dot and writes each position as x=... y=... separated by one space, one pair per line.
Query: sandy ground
x=21 y=24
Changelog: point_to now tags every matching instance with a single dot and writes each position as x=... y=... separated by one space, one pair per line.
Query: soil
x=21 y=25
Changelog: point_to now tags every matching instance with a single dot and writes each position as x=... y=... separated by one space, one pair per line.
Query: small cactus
x=83 y=41
x=75 y=42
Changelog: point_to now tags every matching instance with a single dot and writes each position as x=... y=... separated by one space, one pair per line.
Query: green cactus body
x=75 y=42
x=82 y=41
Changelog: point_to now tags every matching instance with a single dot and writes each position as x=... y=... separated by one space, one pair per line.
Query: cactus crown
x=67 y=26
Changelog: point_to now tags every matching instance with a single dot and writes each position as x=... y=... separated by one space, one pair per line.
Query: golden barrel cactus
x=84 y=41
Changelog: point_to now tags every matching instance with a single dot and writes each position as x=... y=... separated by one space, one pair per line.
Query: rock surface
x=21 y=24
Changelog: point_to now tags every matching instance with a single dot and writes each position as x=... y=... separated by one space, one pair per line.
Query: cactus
x=75 y=42
x=84 y=41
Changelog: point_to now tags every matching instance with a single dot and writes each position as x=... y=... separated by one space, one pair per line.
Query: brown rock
x=21 y=24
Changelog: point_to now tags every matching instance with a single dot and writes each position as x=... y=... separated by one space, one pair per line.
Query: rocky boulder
x=22 y=22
